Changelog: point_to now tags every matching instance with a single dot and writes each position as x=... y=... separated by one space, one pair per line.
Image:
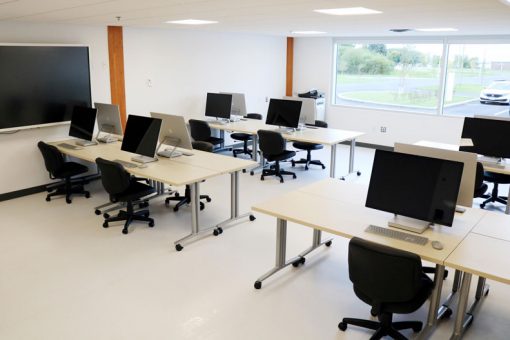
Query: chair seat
x=134 y=191
x=307 y=146
x=280 y=157
x=494 y=177
x=214 y=140
x=241 y=136
x=69 y=169
x=403 y=307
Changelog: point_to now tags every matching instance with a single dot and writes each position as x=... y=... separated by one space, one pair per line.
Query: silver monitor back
x=467 y=182
x=238 y=103
x=173 y=128
x=108 y=118
x=308 y=109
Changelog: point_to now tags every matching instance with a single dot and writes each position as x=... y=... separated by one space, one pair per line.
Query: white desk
x=184 y=170
x=326 y=136
x=340 y=210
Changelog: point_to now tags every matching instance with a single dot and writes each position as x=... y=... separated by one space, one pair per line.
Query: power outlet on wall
x=383 y=129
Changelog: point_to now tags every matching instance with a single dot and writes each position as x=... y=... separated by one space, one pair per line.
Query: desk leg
x=332 y=161
x=234 y=206
x=435 y=299
x=460 y=322
x=255 y=147
x=352 y=150
x=507 y=210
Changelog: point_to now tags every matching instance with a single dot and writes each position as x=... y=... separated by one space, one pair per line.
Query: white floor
x=62 y=276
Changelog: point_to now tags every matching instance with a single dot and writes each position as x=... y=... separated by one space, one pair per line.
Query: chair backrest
x=253 y=116
x=203 y=146
x=321 y=123
x=199 y=130
x=271 y=142
x=114 y=177
x=382 y=273
x=53 y=159
x=479 y=179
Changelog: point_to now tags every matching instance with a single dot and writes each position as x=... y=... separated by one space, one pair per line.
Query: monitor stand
x=108 y=137
x=170 y=153
x=82 y=142
x=222 y=121
x=144 y=159
x=409 y=224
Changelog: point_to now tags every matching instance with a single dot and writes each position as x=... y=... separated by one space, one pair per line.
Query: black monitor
x=491 y=137
x=418 y=187
x=283 y=112
x=83 y=121
x=218 y=105
x=141 y=137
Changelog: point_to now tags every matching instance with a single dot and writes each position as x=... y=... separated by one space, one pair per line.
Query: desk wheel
x=217 y=231
x=257 y=285
x=68 y=200
x=178 y=247
x=486 y=292
x=252 y=173
x=299 y=261
x=342 y=326
x=97 y=212
x=244 y=171
x=252 y=218
x=151 y=224
x=447 y=313
x=48 y=198
x=328 y=244
x=125 y=231
x=105 y=225
x=358 y=173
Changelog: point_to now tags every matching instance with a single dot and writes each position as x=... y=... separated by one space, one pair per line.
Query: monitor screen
x=490 y=136
x=419 y=187
x=283 y=112
x=82 y=122
x=238 y=104
x=218 y=105
x=108 y=118
x=141 y=135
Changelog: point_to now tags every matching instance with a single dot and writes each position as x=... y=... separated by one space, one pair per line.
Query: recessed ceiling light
x=348 y=11
x=191 y=22
x=308 y=32
x=441 y=29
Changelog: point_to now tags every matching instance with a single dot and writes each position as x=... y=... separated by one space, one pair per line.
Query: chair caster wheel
x=306 y=168
x=87 y=194
x=151 y=224
x=202 y=206
x=252 y=173
x=293 y=164
x=281 y=181
x=48 y=199
x=358 y=173
x=176 y=209
x=97 y=212
x=447 y=313
x=105 y=225
x=244 y=171
x=294 y=176
x=374 y=314
x=417 y=329
x=323 y=167
x=105 y=215
x=177 y=194
x=482 y=206
x=68 y=200
x=146 y=215
x=328 y=244
x=252 y=218
x=296 y=263
x=342 y=326
x=486 y=292
x=167 y=203
x=218 y=231
x=208 y=199
x=124 y=231
x=261 y=178
x=178 y=247
x=257 y=285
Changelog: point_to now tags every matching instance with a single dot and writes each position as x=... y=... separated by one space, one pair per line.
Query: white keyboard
x=398 y=235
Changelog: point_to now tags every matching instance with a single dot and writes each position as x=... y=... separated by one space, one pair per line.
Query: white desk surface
x=326 y=136
x=165 y=170
x=495 y=225
x=213 y=161
x=345 y=216
x=482 y=256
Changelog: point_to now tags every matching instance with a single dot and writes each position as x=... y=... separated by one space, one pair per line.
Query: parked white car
x=497 y=92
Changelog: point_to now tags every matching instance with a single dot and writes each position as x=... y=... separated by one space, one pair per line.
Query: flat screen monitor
x=41 y=84
x=141 y=135
x=83 y=121
x=218 y=105
x=108 y=118
x=173 y=130
x=490 y=137
x=467 y=183
x=418 y=187
x=282 y=112
x=238 y=104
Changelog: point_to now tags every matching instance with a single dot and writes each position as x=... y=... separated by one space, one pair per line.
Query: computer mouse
x=437 y=245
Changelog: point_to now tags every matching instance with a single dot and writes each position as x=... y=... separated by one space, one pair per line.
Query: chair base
x=68 y=189
x=494 y=197
x=384 y=327
x=307 y=163
x=186 y=199
x=275 y=170
x=129 y=216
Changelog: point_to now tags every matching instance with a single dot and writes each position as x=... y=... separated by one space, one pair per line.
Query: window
x=408 y=77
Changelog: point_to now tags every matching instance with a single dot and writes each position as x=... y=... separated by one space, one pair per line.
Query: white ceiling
x=275 y=17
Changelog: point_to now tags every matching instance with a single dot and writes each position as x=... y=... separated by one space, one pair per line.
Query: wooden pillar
x=116 y=60
x=290 y=66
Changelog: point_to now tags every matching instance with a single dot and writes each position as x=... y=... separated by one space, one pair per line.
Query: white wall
x=313 y=68
x=21 y=163
x=184 y=65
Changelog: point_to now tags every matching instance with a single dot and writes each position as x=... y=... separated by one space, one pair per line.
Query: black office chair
x=480 y=186
x=186 y=199
x=58 y=168
x=201 y=132
x=244 y=137
x=309 y=147
x=496 y=179
x=273 y=149
x=124 y=188
x=391 y=281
